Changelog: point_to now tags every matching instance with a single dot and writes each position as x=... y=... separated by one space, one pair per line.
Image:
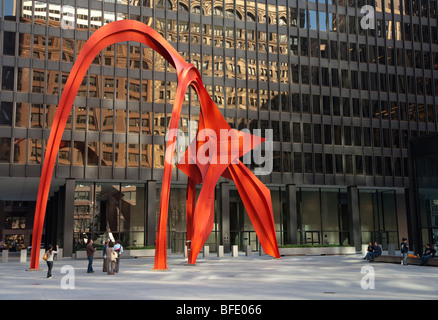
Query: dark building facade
x=343 y=87
x=424 y=185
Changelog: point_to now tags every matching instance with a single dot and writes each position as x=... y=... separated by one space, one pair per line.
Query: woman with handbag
x=48 y=256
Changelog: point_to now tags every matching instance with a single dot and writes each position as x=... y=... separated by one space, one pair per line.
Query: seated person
x=377 y=251
x=370 y=251
x=428 y=253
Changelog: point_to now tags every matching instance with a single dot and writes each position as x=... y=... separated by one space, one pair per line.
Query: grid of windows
x=342 y=100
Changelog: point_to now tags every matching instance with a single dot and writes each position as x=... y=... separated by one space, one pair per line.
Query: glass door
x=248 y=238
x=176 y=220
x=242 y=232
x=178 y=241
x=311 y=237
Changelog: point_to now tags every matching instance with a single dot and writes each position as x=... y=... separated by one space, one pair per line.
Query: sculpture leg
x=190 y=208
x=203 y=217
x=161 y=243
x=256 y=198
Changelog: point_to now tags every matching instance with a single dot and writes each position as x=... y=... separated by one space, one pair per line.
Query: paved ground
x=254 y=277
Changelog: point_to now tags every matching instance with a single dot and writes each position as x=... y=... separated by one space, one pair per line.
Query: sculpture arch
x=199 y=217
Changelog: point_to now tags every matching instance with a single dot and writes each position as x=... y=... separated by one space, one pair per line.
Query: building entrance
x=242 y=232
x=378 y=216
x=177 y=241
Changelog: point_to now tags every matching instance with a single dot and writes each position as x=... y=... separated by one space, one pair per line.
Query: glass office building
x=424 y=185
x=343 y=84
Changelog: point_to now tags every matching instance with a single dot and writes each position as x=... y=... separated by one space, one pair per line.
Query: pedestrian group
x=375 y=250
x=111 y=257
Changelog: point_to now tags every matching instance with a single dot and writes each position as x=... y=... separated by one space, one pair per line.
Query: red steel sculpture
x=255 y=196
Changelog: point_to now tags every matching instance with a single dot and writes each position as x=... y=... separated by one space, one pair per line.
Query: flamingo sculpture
x=255 y=196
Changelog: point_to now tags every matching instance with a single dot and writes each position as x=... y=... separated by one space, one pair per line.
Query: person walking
x=111 y=256
x=119 y=249
x=49 y=260
x=404 y=251
x=90 y=256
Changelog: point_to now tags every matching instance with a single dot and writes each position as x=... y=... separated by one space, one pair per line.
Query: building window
x=5 y=149
x=7 y=78
x=6 y=114
x=15 y=222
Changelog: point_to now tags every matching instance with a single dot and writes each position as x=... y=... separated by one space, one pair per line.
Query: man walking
x=404 y=251
x=90 y=256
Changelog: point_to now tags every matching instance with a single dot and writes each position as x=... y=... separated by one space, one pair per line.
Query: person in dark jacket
x=377 y=251
x=404 y=251
x=429 y=252
x=90 y=255
x=106 y=260
x=370 y=251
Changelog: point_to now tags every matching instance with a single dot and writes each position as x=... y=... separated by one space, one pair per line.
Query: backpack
x=114 y=255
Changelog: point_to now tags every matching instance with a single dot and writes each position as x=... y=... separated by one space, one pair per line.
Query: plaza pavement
x=258 y=278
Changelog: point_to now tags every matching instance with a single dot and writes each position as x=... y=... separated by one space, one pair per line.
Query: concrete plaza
x=346 y=277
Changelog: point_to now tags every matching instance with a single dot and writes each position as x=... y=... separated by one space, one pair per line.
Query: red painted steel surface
x=255 y=196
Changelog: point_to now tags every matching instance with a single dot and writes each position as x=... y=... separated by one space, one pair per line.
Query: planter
x=140 y=253
x=136 y=253
x=317 y=251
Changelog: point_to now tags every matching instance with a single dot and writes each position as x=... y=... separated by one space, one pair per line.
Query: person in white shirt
x=50 y=254
x=119 y=249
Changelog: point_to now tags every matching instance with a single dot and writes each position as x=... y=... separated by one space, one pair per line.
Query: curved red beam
x=119 y=31
x=255 y=196
x=199 y=216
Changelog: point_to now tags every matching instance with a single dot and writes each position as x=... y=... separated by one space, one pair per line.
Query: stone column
x=206 y=251
x=235 y=251
x=151 y=194
x=69 y=206
x=225 y=215
x=5 y=255
x=292 y=217
x=23 y=255
x=220 y=251
x=354 y=219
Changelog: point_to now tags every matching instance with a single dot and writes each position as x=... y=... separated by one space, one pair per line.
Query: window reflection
x=8 y=76
x=120 y=126
x=159 y=123
x=107 y=120
x=20 y=150
x=159 y=152
x=35 y=151
x=64 y=153
x=258 y=36
x=120 y=155
x=106 y=154
x=78 y=153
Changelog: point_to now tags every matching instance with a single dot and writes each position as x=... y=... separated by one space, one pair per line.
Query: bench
x=411 y=260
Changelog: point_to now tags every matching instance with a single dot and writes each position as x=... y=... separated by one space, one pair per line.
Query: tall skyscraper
x=343 y=85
